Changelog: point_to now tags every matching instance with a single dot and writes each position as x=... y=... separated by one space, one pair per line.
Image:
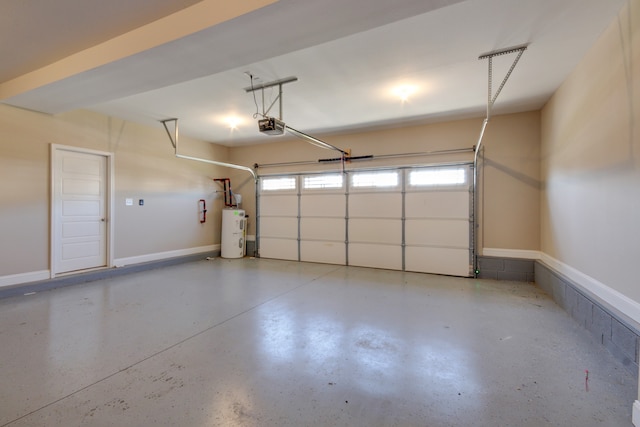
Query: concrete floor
x=275 y=343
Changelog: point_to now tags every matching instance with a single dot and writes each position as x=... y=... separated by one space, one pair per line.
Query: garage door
x=413 y=219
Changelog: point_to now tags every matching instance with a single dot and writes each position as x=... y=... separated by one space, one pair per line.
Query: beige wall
x=144 y=168
x=511 y=175
x=590 y=208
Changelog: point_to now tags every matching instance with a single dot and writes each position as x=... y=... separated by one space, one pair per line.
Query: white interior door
x=79 y=210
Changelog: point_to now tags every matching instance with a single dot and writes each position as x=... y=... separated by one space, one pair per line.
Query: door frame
x=54 y=223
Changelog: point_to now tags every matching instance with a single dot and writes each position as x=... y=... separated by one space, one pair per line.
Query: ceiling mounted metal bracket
x=491 y=98
x=261 y=87
x=173 y=137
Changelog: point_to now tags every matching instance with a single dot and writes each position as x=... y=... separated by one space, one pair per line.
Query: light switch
x=128 y=202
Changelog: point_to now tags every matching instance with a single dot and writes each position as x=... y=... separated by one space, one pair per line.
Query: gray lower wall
x=608 y=327
x=519 y=270
x=251 y=248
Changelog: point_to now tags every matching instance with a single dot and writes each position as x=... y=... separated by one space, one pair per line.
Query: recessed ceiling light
x=233 y=121
x=404 y=91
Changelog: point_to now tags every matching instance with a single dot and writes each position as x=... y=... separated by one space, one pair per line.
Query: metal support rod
x=271 y=84
x=368 y=157
x=489 y=91
x=424 y=153
x=171 y=137
x=504 y=81
x=479 y=143
x=256 y=248
x=315 y=141
x=403 y=221
x=475 y=199
x=174 y=142
x=280 y=99
x=491 y=99
x=299 y=195
x=215 y=162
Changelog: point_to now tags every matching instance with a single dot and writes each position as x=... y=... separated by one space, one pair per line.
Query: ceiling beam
x=200 y=16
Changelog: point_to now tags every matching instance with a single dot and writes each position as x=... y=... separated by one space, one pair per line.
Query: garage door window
x=375 y=180
x=319 y=182
x=278 y=184
x=438 y=177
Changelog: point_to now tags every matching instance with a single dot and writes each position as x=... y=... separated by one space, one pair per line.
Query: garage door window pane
x=323 y=181
x=274 y=184
x=437 y=177
x=374 y=179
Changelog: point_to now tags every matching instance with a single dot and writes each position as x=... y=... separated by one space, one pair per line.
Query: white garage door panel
x=377 y=256
x=279 y=227
x=437 y=232
x=324 y=252
x=438 y=204
x=454 y=262
x=331 y=205
x=375 y=231
x=322 y=229
x=284 y=205
x=279 y=248
x=375 y=205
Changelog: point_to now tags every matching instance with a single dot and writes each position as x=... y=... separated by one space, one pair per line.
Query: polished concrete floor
x=274 y=343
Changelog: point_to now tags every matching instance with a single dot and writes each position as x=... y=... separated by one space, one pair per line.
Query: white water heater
x=234 y=228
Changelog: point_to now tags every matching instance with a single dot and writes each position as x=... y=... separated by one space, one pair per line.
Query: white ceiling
x=347 y=55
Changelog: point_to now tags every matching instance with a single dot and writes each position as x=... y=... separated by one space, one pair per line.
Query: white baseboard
x=635 y=415
x=34 y=276
x=121 y=262
x=620 y=302
x=512 y=253
x=16 y=279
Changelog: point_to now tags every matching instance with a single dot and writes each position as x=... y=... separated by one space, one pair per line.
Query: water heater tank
x=234 y=227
